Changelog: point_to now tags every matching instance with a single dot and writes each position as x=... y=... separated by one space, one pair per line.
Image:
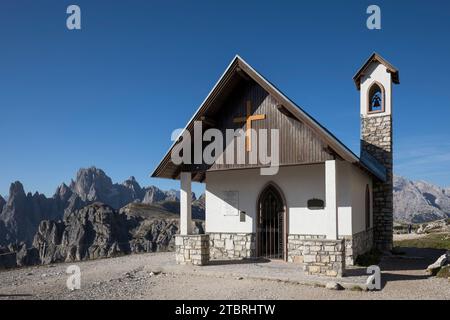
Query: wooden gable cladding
x=303 y=140
x=298 y=144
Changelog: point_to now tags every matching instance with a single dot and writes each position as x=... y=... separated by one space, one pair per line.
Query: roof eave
x=236 y=57
x=376 y=57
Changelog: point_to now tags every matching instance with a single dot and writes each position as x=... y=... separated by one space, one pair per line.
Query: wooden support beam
x=210 y=122
x=330 y=151
x=177 y=173
x=243 y=75
x=284 y=111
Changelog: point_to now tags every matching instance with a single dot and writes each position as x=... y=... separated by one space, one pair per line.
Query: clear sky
x=110 y=94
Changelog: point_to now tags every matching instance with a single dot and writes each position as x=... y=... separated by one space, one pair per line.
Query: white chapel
x=320 y=206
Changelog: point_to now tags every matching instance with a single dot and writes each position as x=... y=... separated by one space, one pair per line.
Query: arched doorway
x=271 y=224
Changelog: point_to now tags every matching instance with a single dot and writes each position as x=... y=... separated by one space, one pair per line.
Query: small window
x=316 y=204
x=376 y=98
x=242 y=216
x=367 y=211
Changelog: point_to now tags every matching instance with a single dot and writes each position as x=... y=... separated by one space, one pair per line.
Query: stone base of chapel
x=318 y=255
x=232 y=245
x=192 y=249
x=357 y=244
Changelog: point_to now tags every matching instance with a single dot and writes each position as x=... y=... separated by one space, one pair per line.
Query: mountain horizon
x=5 y=196
x=414 y=201
x=65 y=183
x=21 y=212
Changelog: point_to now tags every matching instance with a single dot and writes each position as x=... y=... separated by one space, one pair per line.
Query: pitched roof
x=238 y=65
x=376 y=57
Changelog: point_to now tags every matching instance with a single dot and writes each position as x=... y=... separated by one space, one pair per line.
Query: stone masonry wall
x=356 y=245
x=295 y=246
x=324 y=257
x=232 y=245
x=376 y=139
x=318 y=255
x=192 y=249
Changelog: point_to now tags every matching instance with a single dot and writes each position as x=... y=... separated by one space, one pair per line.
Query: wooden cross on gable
x=248 y=124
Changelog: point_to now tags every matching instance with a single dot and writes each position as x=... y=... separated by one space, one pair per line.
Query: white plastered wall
x=297 y=183
x=376 y=72
x=360 y=181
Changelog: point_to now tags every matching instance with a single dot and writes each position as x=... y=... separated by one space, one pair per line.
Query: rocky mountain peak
x=2 y=203
x=419 y=201
x=16 y=191
x=153 y=194
x=91 y=184
x=132 y=184
x=63 y=192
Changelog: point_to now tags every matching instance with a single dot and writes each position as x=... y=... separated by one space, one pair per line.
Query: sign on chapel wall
x=230 y=203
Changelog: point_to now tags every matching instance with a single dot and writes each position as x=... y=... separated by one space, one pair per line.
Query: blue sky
x=110 y=94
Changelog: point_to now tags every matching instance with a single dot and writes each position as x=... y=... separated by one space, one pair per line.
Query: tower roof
x=375 y=57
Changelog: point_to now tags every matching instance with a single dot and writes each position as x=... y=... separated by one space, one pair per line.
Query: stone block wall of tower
x=376 y=139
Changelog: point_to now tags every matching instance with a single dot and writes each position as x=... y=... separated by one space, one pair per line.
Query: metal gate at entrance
x=270 y=224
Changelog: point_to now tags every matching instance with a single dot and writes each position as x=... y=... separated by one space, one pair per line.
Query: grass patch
x=369 y=258
x=356 y=288
x=444 y=272
x=430 y=241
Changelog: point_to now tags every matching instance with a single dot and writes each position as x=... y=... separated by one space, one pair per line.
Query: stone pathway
x=266 y=270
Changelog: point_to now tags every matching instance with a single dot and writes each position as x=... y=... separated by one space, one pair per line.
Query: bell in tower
x=376 y=101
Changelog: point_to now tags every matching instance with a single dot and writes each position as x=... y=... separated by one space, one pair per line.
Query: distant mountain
x=419 y=201
x=21 y=214
x=2 y=203
x=99 y=231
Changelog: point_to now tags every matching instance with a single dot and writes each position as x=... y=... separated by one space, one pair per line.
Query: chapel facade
x=321 y=206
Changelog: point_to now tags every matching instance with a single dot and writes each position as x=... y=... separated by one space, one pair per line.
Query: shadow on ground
x=409 y=265
x=237 y=261
x=411 y=259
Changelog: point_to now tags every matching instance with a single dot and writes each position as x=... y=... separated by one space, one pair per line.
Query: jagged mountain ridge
x=419 y=201
x=21 y=214
x=98 y=231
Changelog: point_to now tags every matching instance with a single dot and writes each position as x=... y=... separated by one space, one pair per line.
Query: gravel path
x=139 y=277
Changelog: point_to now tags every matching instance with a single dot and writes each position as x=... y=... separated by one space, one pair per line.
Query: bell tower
x=374 y=81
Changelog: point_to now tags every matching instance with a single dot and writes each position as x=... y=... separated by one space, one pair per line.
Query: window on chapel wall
x=367 y=210
x=376 y=98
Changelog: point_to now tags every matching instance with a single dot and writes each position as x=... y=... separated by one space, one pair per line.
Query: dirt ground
x=139 y=277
